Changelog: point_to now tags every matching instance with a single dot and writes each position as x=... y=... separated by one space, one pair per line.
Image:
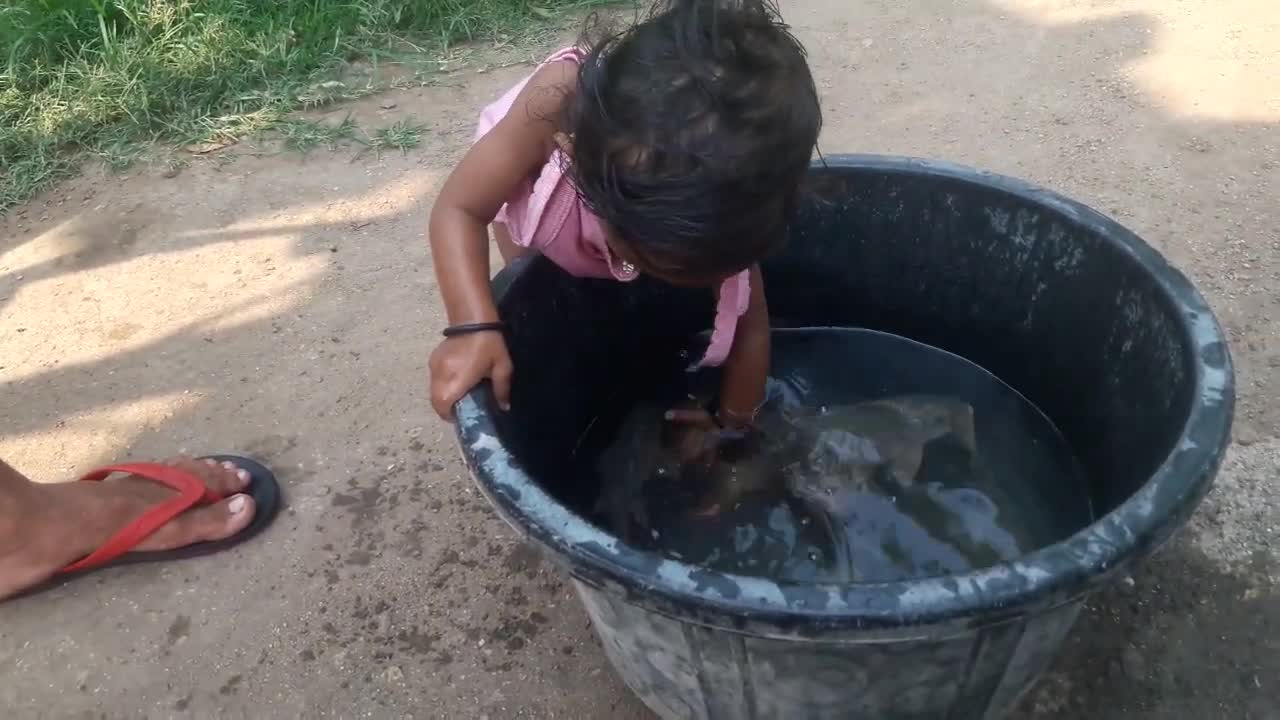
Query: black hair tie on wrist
x=472 y=328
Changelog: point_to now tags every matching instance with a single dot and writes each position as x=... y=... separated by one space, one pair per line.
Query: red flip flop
x=192 y=492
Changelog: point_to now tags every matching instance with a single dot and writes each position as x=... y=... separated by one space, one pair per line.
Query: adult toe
x=223 y=478
x=209 y=523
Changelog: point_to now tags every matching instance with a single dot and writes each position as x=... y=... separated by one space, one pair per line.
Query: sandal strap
x=191 y=492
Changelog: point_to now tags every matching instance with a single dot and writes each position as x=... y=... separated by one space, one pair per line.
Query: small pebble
x=393 y=675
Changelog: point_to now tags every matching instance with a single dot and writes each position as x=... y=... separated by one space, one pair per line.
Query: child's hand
x=460 y=363
x=697 y=432
x=703 y=439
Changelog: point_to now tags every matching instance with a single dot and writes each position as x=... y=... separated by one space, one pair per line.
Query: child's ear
x=564 y=142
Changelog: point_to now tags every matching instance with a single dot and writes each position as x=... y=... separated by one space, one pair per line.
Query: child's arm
x=476 y=189
x=746 y=370
x=742 y=381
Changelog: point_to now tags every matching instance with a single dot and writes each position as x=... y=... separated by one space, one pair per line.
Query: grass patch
x=83 y=78
x=403 y=135
x=307 y=135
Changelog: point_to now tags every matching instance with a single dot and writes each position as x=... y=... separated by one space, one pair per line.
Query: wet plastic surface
x=1066 y=306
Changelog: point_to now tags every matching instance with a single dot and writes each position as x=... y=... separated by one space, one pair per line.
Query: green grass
x=307 y=135
x=403 y=135
x=101 y=78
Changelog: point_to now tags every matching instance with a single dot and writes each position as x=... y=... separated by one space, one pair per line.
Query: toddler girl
x=675 y=148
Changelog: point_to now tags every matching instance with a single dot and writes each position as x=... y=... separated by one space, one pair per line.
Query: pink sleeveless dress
x=546 y=215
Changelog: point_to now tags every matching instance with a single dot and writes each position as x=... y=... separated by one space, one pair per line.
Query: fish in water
x=650 y=450
x=821 y=452
x=722 y=484
x=928 y=530
x=641 y=453
x=813 y=453
x=849 y=444
x=873 y=491
x=862 y=474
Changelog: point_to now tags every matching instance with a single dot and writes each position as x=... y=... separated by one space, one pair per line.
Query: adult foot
x=44 y=528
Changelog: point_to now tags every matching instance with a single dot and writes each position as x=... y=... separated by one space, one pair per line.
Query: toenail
x=236 y=506
x=211 y=462
x=229 y=465
x=243 y=475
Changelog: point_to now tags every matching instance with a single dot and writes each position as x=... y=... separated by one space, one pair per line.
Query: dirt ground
x=283 y=306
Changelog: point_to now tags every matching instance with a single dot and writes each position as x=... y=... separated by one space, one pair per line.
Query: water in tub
x=881 y=490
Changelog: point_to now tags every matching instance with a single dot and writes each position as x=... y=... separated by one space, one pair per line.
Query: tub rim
x=1036 y=582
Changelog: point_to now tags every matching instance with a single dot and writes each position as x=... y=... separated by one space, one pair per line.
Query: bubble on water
x=813 y=555
x=804 y=521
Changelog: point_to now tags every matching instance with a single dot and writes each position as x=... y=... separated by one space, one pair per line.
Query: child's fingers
x=694 y=447
x=501 y=377
x=440 y=375
x=444 y=398
x=447 y=390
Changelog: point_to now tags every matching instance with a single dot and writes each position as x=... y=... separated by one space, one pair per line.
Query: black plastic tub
x=1071 y=309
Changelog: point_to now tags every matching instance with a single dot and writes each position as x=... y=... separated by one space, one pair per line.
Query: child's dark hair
x=692 y=131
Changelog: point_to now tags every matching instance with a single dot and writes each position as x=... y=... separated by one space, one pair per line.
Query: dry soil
x=283 y=306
